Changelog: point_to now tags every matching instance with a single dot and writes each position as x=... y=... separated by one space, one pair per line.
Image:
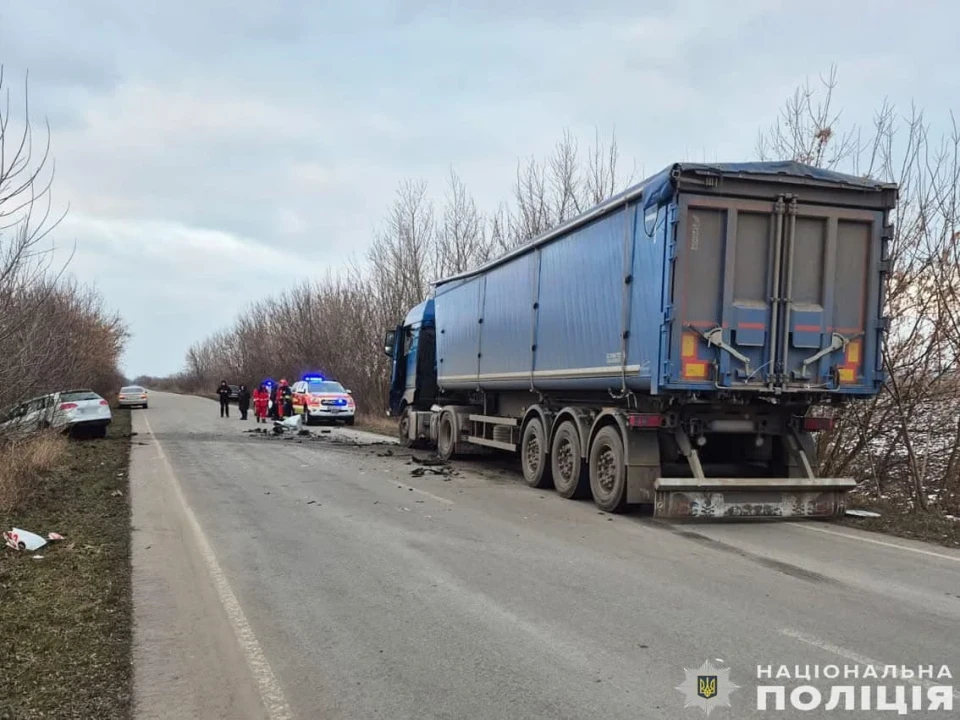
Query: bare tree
x=400 y=258
x=806 y=130
x=905 y=440
x=54 y=333
x=461 y=243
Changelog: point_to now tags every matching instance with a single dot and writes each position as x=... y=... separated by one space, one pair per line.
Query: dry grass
x=67 y=630
x=22 y=462
x=377 y=424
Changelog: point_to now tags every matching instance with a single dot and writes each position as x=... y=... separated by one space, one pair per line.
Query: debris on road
x=445 y=471
x=37 y=557
x=863 y=513
x=431 y=461
x=294 y=422
x=23 y=540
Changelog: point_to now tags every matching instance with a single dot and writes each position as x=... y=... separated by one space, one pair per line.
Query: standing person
x=243 y=401
x=286 y=399
x=274 y=403
x=224 y=393
x=260 y=400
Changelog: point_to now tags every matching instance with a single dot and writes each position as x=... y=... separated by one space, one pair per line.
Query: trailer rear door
x=776 y=295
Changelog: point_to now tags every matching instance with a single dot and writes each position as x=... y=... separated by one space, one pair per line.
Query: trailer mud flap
x=742 y=498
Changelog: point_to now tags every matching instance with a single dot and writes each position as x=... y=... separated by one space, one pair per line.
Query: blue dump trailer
x=673 y=347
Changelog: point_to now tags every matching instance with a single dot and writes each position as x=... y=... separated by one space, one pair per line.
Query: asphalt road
x=316 y=579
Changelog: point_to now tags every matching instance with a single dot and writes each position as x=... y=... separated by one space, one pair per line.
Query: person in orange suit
x=260 y=399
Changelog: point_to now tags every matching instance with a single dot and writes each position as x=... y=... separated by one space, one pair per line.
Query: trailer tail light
x=817 y=424
x=645 y=420
x=68 y=406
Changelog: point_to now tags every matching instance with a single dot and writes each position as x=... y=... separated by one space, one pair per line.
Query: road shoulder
x=187 y=660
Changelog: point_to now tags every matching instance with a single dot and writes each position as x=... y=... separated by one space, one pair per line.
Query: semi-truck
x=678 y=346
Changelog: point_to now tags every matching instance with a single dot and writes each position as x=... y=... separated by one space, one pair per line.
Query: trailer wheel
x=566 y=462
x=446 y=436
x=533 y=455
x=608 y=471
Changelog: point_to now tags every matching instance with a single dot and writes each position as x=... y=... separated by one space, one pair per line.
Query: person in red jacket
x=260 y=399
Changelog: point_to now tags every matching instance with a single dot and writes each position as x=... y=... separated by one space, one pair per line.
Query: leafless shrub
x=904 y=442
x=54 y=333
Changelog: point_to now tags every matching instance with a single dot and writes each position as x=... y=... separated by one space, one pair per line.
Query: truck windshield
x=326 y=386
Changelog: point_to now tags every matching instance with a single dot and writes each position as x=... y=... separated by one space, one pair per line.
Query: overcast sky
x=212 y=152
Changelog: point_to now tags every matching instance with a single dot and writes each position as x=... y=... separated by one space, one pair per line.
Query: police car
x=317 y=398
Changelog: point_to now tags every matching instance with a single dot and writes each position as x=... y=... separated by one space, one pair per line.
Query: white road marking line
x=271 y=694
x=422 y=492
x=942 y=556
x=854 y=657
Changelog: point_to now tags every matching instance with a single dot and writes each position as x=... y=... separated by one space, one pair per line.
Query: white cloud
x=209 y=162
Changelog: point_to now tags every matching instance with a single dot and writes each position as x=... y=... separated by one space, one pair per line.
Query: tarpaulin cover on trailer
x=659 y=188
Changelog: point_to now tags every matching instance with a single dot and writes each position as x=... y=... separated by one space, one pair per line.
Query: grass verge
x=930 y=526
x=66 y=620
x=377 y=424
x=23 y=460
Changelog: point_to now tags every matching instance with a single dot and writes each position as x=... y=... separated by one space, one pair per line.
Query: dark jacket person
x=243 y=401
x=224 y=394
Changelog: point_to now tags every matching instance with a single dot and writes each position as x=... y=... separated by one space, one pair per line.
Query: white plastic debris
x=23 y=540
x=293 y=422
x=863 y=513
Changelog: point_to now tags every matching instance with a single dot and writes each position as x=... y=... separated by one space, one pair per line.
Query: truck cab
x=412 y=349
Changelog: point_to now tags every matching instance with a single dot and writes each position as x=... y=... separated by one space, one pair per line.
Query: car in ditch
x=80 y=412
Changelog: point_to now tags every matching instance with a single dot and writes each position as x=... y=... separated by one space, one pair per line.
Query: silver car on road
x=132 y=396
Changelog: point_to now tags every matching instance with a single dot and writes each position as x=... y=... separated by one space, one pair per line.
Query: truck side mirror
x=388 y=342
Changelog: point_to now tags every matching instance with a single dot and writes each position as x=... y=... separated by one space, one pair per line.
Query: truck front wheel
x=608 y=471
x=446 y=436
x=533 y=455
x=403 y=429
